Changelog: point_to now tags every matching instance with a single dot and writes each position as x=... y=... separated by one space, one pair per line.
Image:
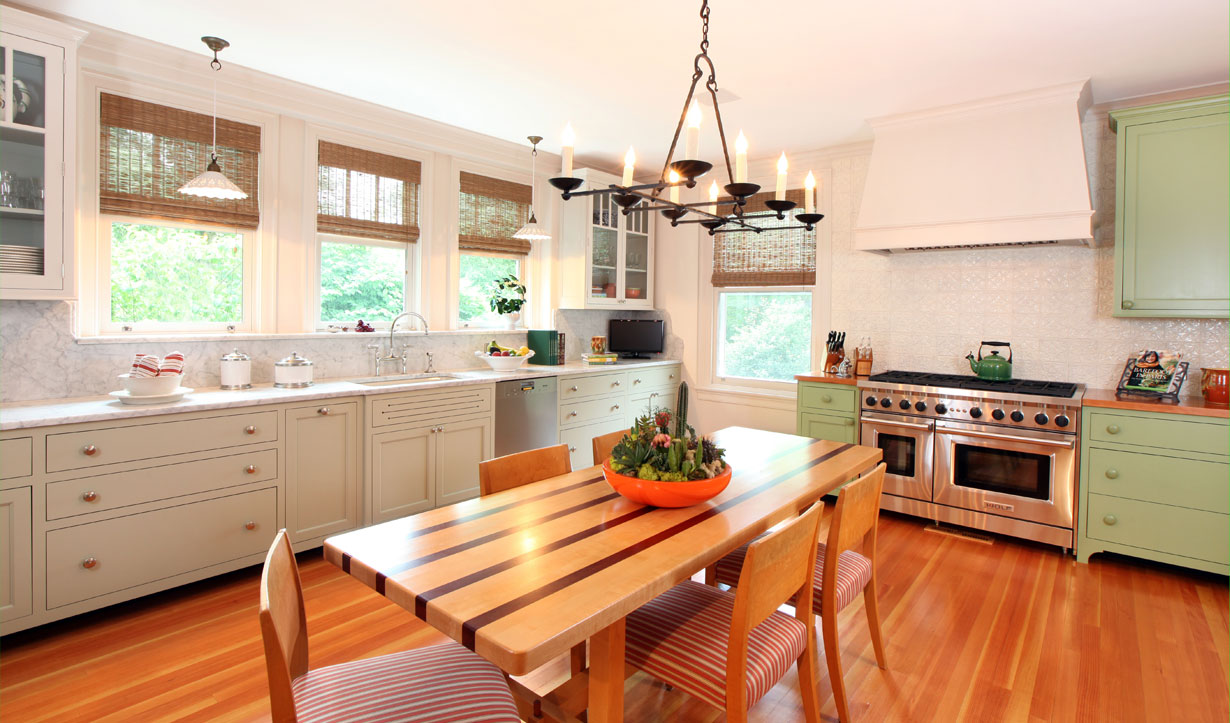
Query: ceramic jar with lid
x=292 y=372
x=236 y=371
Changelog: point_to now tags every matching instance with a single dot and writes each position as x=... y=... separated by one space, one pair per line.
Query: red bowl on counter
x=657 y=493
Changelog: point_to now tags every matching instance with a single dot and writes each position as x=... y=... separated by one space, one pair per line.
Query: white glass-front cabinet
x=606 y=257
x=38 y=78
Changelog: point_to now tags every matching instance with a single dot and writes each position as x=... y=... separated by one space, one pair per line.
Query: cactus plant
x=681 y=411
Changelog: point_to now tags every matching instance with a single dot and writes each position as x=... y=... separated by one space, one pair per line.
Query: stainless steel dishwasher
x=526 y=414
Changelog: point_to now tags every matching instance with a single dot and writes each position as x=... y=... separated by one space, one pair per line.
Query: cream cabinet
x=606 y=257
x=460 y=446
x=604 y=401
x=323 y=479
x=401 y=469
x=16 y=556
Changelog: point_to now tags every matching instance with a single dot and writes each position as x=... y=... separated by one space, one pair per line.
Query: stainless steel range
x=992 y=455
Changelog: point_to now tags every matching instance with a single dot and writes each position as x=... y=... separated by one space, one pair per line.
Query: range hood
x=1003 y=171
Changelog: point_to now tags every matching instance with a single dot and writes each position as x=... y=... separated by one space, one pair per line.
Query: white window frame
x=750 y=382
x=108 y=326
x=410 y=276
x=522 y=264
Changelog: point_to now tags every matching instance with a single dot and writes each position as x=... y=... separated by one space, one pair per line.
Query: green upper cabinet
x=1172 y=236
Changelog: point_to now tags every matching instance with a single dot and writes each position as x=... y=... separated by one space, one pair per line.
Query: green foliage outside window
x=168 y=274
x=478 y=276
x=765 y=335
x=361 y=281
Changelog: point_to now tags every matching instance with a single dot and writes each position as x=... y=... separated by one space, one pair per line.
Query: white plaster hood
x=1002 y=171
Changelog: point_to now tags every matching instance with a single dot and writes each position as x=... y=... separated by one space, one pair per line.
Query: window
x=764 y=334
x=478 y=273
x=361 y=279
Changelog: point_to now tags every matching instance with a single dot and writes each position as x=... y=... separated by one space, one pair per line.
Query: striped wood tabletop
x=522 y=576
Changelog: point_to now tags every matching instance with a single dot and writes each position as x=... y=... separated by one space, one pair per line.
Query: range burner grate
x=958 y=381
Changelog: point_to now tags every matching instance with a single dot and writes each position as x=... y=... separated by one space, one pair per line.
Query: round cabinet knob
x=941 y=409
x=920 y=406
x=975 y=412
x=849 y=422
x=826 y=398
x=1128 y=304
x=1017 y=416
x=250 y=469
x=322 y=411
x=1062 y=421
x=1112 y=473
x=572 y=414
x=636 y=381
x=1041 y=418
x=871 y=401
x=89 y=563
x=90 y=496
x=1109 y=520
x=615 y=384
x=886 y=402
x=1112 y=429
x=671 y=376
x=249 y=429
x=249 y=525
x=572 y=449
x=573 y=388
x=615 y=406
x=904 y=404
x=998 y=414
x=89 y=450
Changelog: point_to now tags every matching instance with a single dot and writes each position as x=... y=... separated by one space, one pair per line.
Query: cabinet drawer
x=138 y=549
x=1153 y=478
x=580 y=440
x=16 y=458
x=591 y=385
x=574 y=413
x=652 y=377
x=431 y=406
x=1175 y=530
x=1162 y=433
x=641 y=404
x=836 y=427
x=94 y=448
x=827 y=398
x=121 y=489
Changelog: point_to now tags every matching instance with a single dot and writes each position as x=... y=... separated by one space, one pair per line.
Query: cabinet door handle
x=825 y=398
x=1110 y=520
x=636 y=381
x=615 y=384
x=89 y=450
x=849 y=422
x=89 y=563
x=572 y=449
x=250 y=469
x=572 y=414
x=1112 y=429
x=1128 y=304
x=615 y=407
x=671 y=376
x=249 y=429
x=249 y=525
x=572 y=388
x=322 y=411
x=1112 y=473
x=90 y=496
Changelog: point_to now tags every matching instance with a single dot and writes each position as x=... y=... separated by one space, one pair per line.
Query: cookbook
x=1153 y=372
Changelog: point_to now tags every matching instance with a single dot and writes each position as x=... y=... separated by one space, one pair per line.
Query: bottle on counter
x=236 y=371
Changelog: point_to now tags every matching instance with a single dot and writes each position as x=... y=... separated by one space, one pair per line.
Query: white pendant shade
x=212 y=184
x=532 y=231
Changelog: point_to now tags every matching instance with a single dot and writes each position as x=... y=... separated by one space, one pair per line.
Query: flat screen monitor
x=636 y=338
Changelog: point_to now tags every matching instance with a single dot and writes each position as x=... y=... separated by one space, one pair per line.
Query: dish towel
x=149 y=365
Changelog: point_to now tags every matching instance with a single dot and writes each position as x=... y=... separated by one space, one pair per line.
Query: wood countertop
x=825 y=377
x=1195 y=406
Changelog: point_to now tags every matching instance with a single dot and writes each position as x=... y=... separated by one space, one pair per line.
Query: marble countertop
x=44 y=413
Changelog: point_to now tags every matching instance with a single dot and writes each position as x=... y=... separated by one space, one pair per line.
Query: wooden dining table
x=522 y=576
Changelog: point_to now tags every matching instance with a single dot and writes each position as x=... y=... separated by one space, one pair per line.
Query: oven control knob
x=1061 y=421
x=904 y=404
x=941 y=409
x=998 y=414
x=1041 y=418
x=886 y=403
x=1017 y=416
x=975 y=412
x=920 y=406
x=871 y=401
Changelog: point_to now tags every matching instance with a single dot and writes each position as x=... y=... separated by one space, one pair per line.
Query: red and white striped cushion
x=442 y=684
x=681 y=638
x=853 y=574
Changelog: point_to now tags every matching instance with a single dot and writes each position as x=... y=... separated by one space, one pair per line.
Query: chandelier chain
x=704 y=27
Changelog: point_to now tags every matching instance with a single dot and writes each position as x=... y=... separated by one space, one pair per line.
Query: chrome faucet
x=381 y=358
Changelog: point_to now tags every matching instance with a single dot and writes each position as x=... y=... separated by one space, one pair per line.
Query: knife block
x=834 y=359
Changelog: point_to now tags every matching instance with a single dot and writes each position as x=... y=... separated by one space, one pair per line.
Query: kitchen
x=960 y=157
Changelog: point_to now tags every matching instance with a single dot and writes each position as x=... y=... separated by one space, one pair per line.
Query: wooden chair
x=604 y=443
x=416 y=685
x=845 y=566
x=522 y=468
x=729 y=649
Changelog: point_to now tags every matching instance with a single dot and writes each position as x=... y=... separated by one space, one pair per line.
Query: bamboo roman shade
x=147 y=151
x=492 y=211
x=771 y=258
x=367 y=194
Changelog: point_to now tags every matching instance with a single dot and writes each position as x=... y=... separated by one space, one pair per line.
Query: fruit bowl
x=666 y=494
x=150 y=386
x=504 y=363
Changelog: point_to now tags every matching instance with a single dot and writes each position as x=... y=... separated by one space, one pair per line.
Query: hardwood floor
x=975 y=632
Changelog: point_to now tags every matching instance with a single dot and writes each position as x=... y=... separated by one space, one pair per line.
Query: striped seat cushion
x=439 y=684
x=681 y=638
x=853 y=574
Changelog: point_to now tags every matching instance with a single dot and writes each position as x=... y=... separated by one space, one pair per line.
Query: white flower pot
x=511 y=319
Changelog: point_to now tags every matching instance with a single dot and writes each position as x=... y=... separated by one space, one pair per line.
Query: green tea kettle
x=993 y=367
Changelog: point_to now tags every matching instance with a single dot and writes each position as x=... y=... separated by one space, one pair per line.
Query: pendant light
x=533 y=231
x=211 y=183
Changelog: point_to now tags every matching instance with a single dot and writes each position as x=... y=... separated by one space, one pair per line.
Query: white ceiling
x=808 y=73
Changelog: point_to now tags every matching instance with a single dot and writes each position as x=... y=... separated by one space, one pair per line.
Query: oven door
x=1015 y=473
x=906 y=443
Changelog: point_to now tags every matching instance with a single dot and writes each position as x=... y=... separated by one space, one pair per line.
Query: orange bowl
x=666 y=494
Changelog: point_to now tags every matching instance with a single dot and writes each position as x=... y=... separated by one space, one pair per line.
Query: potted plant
x=507 y=298
x=662 y=462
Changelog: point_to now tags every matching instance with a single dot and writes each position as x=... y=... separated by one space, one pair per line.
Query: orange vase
x=1213 y=385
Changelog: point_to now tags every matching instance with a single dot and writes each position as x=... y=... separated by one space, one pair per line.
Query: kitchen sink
x=405 y=379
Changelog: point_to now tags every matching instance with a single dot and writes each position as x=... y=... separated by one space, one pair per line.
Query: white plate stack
x=21 y=259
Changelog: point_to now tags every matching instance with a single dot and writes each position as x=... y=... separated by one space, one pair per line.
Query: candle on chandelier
x=629 y=164
x=569 y=140
x=809 y=193
x=782 y=165
x=674 y=179
x=692 y=139
x=713 y=195
x=740 y=159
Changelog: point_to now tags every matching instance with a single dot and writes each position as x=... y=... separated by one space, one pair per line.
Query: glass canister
x=235 y=371
x=293 y=372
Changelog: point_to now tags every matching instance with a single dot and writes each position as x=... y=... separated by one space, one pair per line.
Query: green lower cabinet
x=828 y=426
x=828 y=411
x=1162 y=494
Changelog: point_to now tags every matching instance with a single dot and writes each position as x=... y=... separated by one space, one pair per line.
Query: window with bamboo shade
x=148 y=151
x=367 y=194
x=491 y=210
x=770 y=258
